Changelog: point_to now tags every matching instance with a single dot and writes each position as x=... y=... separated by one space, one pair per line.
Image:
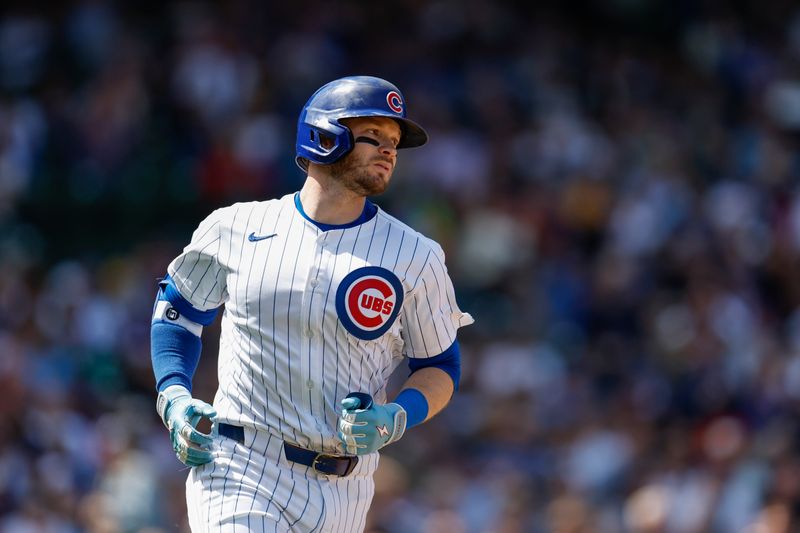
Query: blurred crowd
x=616 y=187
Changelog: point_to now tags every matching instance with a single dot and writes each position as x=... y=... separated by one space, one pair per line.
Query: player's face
x=368 y=168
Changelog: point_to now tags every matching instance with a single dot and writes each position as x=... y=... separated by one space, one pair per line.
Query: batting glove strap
x=400 y=419
x=167 y=398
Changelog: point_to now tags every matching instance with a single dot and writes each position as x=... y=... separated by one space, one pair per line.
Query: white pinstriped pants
x=253 y=488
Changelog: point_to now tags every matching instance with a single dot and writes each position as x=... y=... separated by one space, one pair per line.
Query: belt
x=322 y=463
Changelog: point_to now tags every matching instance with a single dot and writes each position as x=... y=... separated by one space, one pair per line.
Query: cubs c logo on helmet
x=368 y=301
x=394 y=101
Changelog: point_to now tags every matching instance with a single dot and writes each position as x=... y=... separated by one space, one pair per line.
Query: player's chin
x=373 y=184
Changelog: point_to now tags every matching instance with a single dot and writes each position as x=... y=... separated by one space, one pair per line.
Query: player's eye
x=376 y=137
x=394 y=142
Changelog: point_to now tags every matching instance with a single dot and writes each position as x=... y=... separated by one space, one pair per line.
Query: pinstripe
x=419 y=275
x=271 y=501
x=236 y=292
x=308 y=498
x=208 y=267
x=260 y=317
x=413 y=255
x=197 y=261
x=338 y=495
x=414 y=309
x=349 y=367
x=450 y=329
x=289 y=328
x=282 y=419
x=371 y=236
x=246 y=296
x=383 y=252
x=443 y=270
x=362 y=358
x=249 y=340
x=358 y=498
x=321 y=490
x=210 y=291
x=347 y=513
x=310 y=339
x=409 y=338
x=336 y=346
x=399 y=248
x=211 y=482
x=214 y=225
x=349 y=358
x=430 y=309
x=183 y=258
x=261 y=355
x=260 y=477
x=368 y=362
x=325 y=344
x=420 y=328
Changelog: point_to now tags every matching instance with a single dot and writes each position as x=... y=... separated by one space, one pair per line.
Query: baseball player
x=323 y=296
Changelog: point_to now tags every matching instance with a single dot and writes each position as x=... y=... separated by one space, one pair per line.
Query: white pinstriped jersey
x=313 y=315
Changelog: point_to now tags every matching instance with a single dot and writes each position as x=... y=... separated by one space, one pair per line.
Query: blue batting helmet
x=351 y=97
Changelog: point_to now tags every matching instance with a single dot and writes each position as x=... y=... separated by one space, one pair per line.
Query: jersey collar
x=370 y=210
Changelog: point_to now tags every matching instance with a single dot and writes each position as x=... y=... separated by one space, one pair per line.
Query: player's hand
x=365 y=427
x=181 y=414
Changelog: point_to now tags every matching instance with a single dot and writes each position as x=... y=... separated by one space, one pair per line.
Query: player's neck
x=330 y=204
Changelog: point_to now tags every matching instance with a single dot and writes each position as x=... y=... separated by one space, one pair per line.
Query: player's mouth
x=385 y=165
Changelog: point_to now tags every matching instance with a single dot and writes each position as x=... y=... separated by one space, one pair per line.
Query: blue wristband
x=415 y=405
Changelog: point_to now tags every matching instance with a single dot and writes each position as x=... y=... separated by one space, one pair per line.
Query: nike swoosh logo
x=253 y=237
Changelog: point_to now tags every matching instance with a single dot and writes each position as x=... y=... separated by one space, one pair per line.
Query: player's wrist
x=167 y=398
x=399 y=421
x=414 y=404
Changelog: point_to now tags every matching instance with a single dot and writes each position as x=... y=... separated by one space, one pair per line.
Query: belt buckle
x=351 y=463
x=316 y=460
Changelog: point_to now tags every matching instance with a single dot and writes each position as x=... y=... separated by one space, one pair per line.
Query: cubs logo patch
x=368 y=301
x=394 y=101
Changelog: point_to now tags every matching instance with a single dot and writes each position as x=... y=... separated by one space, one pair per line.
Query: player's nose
x=387 y=148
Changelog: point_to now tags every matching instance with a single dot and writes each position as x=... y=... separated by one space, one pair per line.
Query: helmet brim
x=412 y=133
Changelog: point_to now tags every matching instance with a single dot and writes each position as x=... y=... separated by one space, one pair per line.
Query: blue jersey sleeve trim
x=415 y=405
x=170 y=293
x=370 y=210
x=174 y=352
x=449 y=361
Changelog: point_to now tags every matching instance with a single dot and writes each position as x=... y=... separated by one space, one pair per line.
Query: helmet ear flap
x=323 y=146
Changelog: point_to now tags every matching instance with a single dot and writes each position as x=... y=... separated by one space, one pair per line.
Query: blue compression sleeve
x=449 y=361
x=174 y=352
x=175 y=343
x=415 y=405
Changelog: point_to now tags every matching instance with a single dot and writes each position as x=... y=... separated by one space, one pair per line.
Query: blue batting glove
x=365 y=427
x=181 y=413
